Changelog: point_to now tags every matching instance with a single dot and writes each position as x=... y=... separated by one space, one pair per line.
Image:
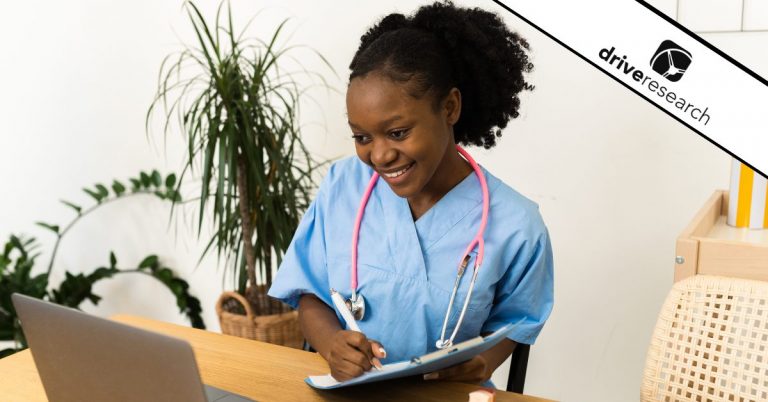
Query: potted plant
x=19 y=273
x=238 y=110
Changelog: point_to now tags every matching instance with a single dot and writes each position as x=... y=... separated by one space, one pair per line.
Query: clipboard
x=427 y=363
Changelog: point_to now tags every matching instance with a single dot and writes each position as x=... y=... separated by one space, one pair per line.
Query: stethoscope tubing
x=356 y=231
x=477 y=241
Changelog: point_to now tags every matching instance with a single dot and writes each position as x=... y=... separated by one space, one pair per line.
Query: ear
x=452 y=106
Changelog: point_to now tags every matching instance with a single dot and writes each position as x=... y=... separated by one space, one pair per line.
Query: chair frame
x=518 y=366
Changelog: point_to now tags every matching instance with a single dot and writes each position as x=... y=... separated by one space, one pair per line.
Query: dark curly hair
x=442 y=46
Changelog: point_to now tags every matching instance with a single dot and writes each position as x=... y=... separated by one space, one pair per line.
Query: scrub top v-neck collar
x=457 y=203
x=403 y=233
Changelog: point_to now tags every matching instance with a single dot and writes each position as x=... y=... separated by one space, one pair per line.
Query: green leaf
x=157 y=180
x=145 y=180
x=188 y=304
x=103 y=192
x=112 y=259
x=102 y=273
x=118 y=188
x=135 y=184
x=160 y=194
x=39 y=283
x=176 y=288
x=174 y=196
x=95 y=195
x=149 y=262
x=76 y=288
x=170 y=181
x=52 y=228
x=73 y=206
x=165 y=275
x=4 y=262
x=7 y=324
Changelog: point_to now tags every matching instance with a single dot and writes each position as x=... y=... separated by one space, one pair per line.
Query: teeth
x=398 y=173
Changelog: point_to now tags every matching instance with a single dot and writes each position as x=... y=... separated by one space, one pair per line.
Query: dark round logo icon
x=671 y=60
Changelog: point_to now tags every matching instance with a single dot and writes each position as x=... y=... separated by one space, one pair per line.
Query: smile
x=398 y=173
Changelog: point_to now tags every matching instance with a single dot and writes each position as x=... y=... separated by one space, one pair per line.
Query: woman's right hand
x=352 y=354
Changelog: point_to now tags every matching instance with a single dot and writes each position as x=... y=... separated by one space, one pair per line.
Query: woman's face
x=402 y=138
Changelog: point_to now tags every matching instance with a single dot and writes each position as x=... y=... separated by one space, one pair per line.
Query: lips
x=398 y=173
x=397 y=176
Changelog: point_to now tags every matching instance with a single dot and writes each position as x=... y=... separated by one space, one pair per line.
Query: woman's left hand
x=472 y=371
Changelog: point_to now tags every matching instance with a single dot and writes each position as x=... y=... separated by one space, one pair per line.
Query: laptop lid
x=84 y=358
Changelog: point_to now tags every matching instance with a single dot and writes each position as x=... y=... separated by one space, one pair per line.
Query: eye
x=361 y=139
x=399 y=134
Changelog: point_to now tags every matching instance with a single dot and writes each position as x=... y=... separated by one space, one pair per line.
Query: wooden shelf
x=709 y=246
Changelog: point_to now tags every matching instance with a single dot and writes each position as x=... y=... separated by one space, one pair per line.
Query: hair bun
x=442 y=46
x=391 y=22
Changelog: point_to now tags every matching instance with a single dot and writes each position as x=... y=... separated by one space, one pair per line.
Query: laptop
x=84 y=358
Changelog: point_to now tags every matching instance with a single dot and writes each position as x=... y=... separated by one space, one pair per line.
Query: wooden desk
x=261 y=371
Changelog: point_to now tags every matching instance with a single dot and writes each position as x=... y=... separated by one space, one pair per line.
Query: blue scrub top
x=407 y=269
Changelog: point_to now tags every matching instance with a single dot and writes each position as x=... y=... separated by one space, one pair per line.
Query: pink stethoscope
x=356 y=303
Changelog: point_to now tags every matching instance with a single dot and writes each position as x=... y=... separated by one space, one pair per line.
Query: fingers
x=345 y=370
x=432 y=376
x=357 y=357
x=445 y=374
x=378 y=352
x=351 y=355
x=376 y=363
x=359 y=342
x=471 y=371
x=377 y=349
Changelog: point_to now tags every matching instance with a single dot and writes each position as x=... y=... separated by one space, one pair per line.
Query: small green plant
x=19 y=255
x=239 y=112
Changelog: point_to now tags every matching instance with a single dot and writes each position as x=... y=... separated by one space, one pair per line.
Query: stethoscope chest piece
x=356 y=305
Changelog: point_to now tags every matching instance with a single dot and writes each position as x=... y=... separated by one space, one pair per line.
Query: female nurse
x=420 y=85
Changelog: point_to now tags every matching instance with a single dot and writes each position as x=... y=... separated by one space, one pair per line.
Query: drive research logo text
x=671 y=60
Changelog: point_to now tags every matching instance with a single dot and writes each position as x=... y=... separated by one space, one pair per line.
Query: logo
x=671 y=60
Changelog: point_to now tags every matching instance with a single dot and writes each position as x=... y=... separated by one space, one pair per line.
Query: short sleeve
x=303 y=268
x=525 y=292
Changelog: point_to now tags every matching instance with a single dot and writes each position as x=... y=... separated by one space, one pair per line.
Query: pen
x=346 y=314
x=344 y=311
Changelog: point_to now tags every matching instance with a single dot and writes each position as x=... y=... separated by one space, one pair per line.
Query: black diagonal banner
x=666 y=64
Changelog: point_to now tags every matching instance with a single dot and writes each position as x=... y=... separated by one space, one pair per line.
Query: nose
x=382 y=154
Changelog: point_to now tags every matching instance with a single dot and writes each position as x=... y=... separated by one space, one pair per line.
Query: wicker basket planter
x=280 y=329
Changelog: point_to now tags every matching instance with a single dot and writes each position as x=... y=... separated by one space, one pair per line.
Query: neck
x=451 y=171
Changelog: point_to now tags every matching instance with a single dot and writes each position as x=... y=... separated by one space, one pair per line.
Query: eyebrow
x=381 y=124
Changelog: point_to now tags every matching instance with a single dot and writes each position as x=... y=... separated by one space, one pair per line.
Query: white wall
x=616 y=179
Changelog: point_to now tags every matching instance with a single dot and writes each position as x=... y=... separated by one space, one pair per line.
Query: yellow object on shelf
x=748 y=203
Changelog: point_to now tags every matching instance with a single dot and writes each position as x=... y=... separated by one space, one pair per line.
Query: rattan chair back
x=710 y=342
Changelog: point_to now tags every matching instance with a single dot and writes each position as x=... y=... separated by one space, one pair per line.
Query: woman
x=419 y=86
